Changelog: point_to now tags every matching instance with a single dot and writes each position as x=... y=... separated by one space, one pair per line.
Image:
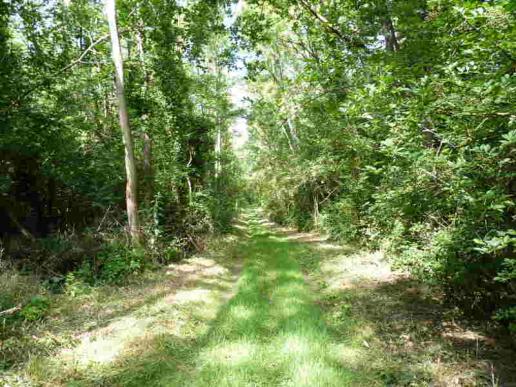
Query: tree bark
x=391 y=42
x=130 y=166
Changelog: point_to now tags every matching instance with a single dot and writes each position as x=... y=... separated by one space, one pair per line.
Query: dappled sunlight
x=400 y=332
x=271 y=329
x=349 y=320
x=183 y=309
x=265 y=223
x=240 y=227
x=348 y=354
x=193 y=295
x=295 y=345
x=289 y=309
x=241 y=312
x=327 y=246
x=306 y=237
x=105 y=345
x=392 y=328
x=315 y=373
x=196 y=264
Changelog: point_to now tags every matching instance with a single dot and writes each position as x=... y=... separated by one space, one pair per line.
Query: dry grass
x=399 y=329
x=91 y=332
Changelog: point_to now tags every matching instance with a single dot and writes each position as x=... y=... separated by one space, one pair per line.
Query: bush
x=36 y=309
x=340 y=219
x=117 y=261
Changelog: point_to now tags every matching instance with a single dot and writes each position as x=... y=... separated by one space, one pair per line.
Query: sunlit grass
x=271 y=332
x=302 y=313
x=131 y=328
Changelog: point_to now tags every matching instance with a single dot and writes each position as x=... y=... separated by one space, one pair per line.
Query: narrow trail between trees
x=269 y=306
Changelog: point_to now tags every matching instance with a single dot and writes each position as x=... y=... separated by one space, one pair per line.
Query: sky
x=238 y=90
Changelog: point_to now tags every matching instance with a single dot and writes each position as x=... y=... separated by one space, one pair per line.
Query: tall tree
x=130 y=166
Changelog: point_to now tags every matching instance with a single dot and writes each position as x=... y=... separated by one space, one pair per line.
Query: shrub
x=117 y=261
x=36 y=309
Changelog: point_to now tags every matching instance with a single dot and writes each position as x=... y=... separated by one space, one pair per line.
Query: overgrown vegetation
x=385 y=124
x=392 y=123
x=62 y=177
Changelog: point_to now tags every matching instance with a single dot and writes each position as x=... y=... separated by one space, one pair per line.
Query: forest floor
x=268 y=306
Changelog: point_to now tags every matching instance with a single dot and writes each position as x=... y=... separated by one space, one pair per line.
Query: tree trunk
x=218 y=151
x=391 y=42
x=148 y=173
x=130 y=167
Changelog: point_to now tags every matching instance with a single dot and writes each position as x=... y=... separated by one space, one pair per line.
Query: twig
x=330 y=27
x=84 y=53
x=11 y=311
x=328 y=196
x=26 y=233
x=103 y=218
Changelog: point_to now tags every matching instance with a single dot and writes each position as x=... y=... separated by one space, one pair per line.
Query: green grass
x=269 y=309
x=270 y=333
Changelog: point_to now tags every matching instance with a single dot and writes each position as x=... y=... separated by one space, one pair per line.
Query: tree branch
x=10 y=311
x=330 y=27
x=60 y=71
x=84 y=53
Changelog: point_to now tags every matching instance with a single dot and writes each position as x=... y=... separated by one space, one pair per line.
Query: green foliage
x=392 y=123
x=508 y=315
x=62 y=176
x=339 y=218
x=118 y=261
x=62 y=160
x=36 y=309
x=77 y=283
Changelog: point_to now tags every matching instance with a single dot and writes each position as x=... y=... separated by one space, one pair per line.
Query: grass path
x=270 y=333
x=273 y=307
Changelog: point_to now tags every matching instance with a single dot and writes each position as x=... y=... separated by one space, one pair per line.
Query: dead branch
x=11 y=311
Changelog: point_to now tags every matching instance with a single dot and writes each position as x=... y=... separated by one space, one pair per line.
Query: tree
x=404 y=132
x=130 y=165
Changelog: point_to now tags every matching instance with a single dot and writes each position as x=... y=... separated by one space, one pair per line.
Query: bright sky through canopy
x=239 y=90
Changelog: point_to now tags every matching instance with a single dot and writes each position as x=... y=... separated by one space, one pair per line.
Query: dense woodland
x=386 y=124
x=62 y=151
x=392 y=123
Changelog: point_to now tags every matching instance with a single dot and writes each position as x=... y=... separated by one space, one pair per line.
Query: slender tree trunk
x=218 y=120
x=316 y=211
x=148 y=171
x=130 y=166
x=391 y=42
x=286 y=133
x=218 y=151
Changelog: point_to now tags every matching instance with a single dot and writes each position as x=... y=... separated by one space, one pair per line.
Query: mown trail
x=270 y=333
x=274 y=307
